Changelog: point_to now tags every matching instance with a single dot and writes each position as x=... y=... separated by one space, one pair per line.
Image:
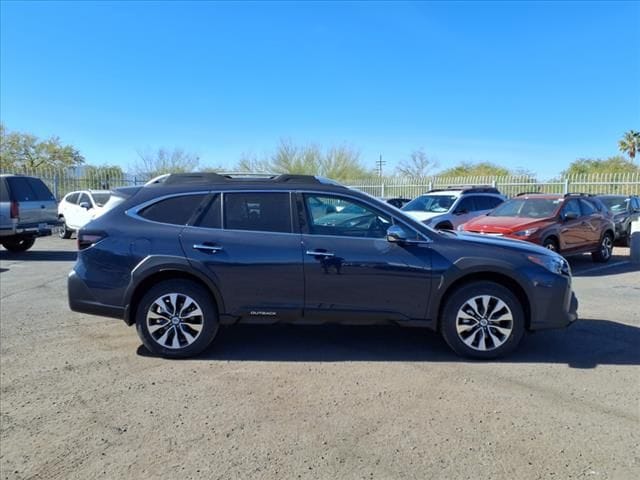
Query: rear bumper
x=553 y=303
x=82 y=300
x=30 y=229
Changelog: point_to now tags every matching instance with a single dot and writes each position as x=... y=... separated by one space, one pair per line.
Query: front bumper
x=82 y=300
x=552 y=303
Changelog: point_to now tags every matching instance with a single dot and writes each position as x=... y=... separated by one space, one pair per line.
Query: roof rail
x=218 y=178
x=578 y=194
x=467 y=189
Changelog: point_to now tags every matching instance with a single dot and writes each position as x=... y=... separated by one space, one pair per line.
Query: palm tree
x=630 y=143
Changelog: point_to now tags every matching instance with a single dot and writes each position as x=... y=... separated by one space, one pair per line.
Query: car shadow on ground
x=586 y=344
x=2 y=270
x=40 y=255
x=584 y=266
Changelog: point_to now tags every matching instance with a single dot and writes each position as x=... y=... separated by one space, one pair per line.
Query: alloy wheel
x=174 y=320
x=484 y=323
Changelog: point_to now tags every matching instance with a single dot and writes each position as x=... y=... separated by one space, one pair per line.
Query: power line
x=379 y=164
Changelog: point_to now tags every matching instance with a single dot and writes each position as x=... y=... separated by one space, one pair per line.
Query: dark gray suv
x=180 y=257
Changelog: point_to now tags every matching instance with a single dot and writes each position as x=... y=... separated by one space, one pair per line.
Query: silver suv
x=448 y=208
x=28 y=210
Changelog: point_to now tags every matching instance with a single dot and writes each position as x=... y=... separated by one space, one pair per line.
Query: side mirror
x=397 y=234
x=85 y=205
x=569 y=216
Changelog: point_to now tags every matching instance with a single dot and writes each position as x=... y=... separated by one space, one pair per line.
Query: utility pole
x=379 y=165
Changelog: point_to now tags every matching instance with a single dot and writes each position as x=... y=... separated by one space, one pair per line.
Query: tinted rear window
x=265 y=212
x=24 y=189
x=173 y=210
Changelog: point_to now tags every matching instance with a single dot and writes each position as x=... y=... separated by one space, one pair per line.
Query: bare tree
x=157 y=162
x=417 y=165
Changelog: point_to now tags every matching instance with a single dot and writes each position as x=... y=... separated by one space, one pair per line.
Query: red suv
x=567 y=224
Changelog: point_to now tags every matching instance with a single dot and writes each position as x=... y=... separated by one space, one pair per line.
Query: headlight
x=526 y=233
x=554 y=263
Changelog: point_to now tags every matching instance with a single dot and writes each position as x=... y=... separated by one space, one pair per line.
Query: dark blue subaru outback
x=186 y=254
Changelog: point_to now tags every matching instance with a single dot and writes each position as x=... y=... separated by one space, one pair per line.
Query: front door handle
x=207 y=248
x=316 y=253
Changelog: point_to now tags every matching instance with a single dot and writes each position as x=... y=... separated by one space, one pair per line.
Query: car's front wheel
x=482 y=320
x=18 y=244
x=177 y=319
x=605 y=249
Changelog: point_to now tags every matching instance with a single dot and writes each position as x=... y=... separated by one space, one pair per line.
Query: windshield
x=430 y=203
x=615 y=204
x=528 y=208
x=101 y=198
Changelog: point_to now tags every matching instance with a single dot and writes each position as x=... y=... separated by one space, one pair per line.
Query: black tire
x=19 y=244
x=481 y=330
x=156 y=341
x=626 y=241
x=551 y=244
x=605 y=249
x=65 y=232
x=444 y=226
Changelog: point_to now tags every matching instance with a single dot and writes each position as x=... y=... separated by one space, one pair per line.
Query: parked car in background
x=397 y=202
x=448 y=208
x=624 y=209
x=27 y=211
x=203 y=250
x=78 y=208
x=567 y=224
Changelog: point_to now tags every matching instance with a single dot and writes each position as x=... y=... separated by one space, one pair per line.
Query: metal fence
x=614 y=183
x=64 y=180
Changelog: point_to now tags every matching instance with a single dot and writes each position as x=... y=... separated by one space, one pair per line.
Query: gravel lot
x=81 y=399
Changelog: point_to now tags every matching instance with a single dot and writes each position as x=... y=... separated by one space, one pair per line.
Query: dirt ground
x=81 y=399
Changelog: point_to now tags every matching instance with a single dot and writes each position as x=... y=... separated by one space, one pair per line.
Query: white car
x=77 y=209
x=448 y=208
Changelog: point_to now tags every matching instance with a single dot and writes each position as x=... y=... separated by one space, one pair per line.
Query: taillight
x=14 y=211
x=88 y=239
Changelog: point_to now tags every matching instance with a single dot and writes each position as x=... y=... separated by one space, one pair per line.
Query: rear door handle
x=207 y=248
x=316 y=253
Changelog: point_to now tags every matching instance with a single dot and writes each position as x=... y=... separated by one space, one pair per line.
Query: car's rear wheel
x=65 y=232
x=482 y=320
x=177 y=319
x=605 y=249
x=551 y=244
x=19 y=244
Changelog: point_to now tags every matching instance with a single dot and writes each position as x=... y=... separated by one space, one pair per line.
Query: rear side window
x=73 y=197
x=22 y=190
x=40 y=189
x=212 y=215
x=266 y=212
x=174 y=210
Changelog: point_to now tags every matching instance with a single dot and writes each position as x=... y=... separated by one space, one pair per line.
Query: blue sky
x=530 y=85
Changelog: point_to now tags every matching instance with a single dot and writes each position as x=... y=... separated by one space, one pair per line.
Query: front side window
x=354 y=219
x=571 y=206
x=173 y=210
x=263 y=212
x=587 y=207
x=487 y=203
x=466 y=205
